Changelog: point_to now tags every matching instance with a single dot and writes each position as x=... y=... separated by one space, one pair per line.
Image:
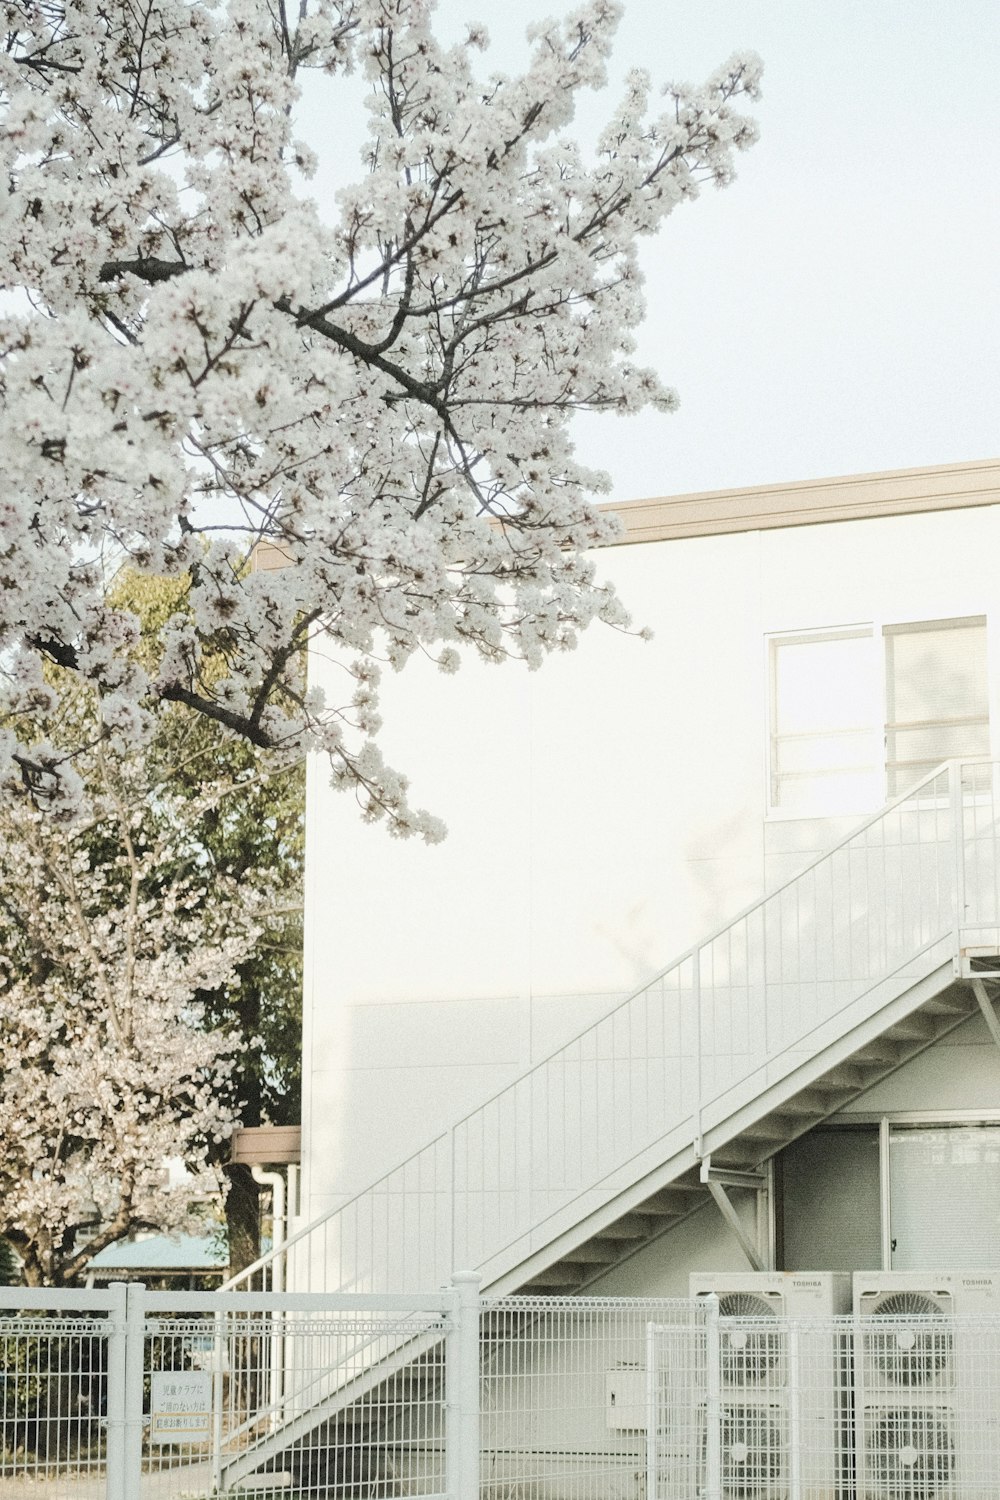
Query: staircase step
x=770 y=1128
x=595 y=1253
x=949 y=1004
x=884 y=1049
x=674 y=1201
x=830 y=1087
x=805 y=1106
x=629 y=1227
x=563 y=1276
x=915 y=1028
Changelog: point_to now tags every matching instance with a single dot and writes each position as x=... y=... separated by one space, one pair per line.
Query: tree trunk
x=242 y=1217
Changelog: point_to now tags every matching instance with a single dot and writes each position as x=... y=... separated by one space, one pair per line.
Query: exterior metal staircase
x=739 y=1159
x=801 y=1003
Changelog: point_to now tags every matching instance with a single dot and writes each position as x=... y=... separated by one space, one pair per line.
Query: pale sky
x=837 y=309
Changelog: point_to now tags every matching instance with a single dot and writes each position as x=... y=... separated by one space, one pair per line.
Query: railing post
x=135 y=1352
x=696 y=985
x=958 y=842
x=462 y=1390
x=713 y=1400
x=117 y=1314
x=452 y=1210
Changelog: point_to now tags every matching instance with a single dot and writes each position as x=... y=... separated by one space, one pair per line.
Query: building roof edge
x=809 y=502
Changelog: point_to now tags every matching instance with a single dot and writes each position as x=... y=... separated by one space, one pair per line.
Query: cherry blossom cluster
x=378 y=392
x=110 y=934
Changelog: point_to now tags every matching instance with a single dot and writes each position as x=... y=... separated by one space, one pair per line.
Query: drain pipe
x=276 y=1183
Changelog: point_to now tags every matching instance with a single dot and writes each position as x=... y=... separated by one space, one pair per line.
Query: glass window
x=944 y=1198
x=838 y=747
x=825 y=756
x=937 y=697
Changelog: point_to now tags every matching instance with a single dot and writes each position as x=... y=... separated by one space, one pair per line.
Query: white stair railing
x=736 y=1014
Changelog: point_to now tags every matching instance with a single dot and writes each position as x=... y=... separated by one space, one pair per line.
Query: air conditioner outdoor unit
x=784 y=1383
x=927 y=1384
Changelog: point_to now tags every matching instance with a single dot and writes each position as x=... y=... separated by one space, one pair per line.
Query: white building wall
x=603 y=815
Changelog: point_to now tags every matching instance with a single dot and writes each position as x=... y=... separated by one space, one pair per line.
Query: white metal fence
x=735 y=1016
x=125 y=1394
x=62 y=1393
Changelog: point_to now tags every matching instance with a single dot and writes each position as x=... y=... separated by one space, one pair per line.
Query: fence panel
x=564 y=1394
x=61 y=1394
x=301 y=1395
x=764 y=1408
x=599 y=1399
x=133 y=1395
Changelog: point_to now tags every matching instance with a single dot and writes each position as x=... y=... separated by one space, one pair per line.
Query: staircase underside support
x=986 y=1006
x=717 y=1180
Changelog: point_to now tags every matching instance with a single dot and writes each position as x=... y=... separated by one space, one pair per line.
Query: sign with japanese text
x=180 y=1408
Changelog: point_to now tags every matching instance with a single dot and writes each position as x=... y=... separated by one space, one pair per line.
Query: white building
x=816 y=1086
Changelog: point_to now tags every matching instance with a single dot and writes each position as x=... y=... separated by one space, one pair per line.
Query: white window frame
x=878 y=628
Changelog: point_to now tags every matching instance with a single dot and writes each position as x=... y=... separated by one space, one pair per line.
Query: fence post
x=115 y=1415
x=462 y=1390
x=135 y=1362
x=794 y=1414
x=652 y=1413
x=219 y=1344
x=713 y=1400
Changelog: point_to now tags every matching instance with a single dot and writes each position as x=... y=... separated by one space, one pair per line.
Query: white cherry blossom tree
x=197 y=358
x=113 y=931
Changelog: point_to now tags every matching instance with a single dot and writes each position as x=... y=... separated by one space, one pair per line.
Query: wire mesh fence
x=53 y=1402
x=766 y=1410
x=61 y=1393
x=162 y=1396
x=151 y=1396
x=300 y=1395
x=564 y=1399
x=604 y=1399
x=325 y=1402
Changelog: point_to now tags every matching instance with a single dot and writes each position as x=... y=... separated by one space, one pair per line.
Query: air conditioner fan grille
x=752 y=1446
x=749 y=1350
x=909 y=1352
x=909 y=1455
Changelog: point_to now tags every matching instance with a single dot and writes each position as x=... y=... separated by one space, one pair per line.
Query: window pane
x=830 y=793
x=937 y=697
x=848 y=750
x=821 y=683
x=936 y=672
x=824 y=752
x=944 y=1188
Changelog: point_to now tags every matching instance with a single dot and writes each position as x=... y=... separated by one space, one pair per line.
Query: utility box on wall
x=625 y=1398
